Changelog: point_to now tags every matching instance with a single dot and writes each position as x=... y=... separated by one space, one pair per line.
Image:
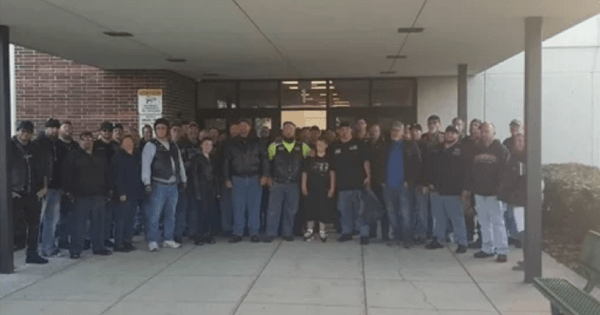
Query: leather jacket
x=52 y=155
x=26 y=173
x=204 y=173
x=246 y=157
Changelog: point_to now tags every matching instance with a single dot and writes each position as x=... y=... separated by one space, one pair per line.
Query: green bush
x=571 y=199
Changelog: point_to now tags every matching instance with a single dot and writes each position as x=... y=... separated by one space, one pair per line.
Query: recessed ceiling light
x=211 y=74
x=176 y=60
x=388 y=72
x=289 y=82
x=318 y=82
x=410 y=30
x=318 y=88
x=118 y=34
x=396 y=56
x=293 y=87
x=331 y=87
x=323 y=94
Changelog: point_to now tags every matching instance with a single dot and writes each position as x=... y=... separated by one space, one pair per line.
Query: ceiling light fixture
x=176 y=60
x=318 y=88
x=289 y=82
x=118 y=34
x=388 y=72
x=331 y=87
x=410 y=30
x=396 y=57
x=318 y=82
x=323 y=94
x=293 y=87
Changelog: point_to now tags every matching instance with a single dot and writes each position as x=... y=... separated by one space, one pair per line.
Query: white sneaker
x=171 y=244
x=308 y=234
x=153 y=246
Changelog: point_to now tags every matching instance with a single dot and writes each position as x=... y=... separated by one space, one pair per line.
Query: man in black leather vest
x=287 y=157
x=162 y=172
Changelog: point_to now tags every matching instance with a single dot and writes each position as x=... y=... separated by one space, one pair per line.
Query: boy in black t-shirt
x=350 y=158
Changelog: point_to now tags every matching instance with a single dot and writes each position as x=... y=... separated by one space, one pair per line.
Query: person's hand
x=15 y=195
x=70 y=197
x=304 y=191
x=469 y=211
x=405 y=185
x=425 y=190
x=331 y=193
x=264 y=181
x=148 y=190
x=123 y=198
x=42 y=193
x=466 y=197
x=228 y=184
x=182 y=186
x=109 y=196
x=367 y=181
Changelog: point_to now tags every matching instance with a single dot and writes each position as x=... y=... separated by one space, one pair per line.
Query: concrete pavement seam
x=473 y=279
x=239 y=304
x=364 y=281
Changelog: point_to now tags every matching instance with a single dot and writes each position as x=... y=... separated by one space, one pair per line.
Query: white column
x=533 y=134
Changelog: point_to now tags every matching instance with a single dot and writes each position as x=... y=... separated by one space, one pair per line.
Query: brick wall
x=49 y=86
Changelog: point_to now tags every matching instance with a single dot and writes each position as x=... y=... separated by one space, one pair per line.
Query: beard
x=288 y=139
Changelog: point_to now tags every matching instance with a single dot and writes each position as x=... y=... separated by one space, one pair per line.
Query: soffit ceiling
x=283 y=39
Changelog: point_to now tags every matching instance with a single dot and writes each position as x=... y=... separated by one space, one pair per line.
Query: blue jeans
x=490 y=213
x=110 y=216
x=448 y=208
x=284 y=200
x=511 y=224
x=349 y=203
x=50 y=218
x=421 y=217
x=203 y=218
x=85 y=208
x=125 y=214
x=226 y=205
x=181 y=214
x=247 y=195
x=163 y=200
x=399 y=211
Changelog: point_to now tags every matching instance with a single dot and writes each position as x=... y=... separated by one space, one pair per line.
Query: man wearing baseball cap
x=27 y=185
x=52 y=156
x=516 y=127
x=446 y=188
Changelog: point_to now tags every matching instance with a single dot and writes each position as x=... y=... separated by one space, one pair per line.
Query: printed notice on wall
x=150 y=101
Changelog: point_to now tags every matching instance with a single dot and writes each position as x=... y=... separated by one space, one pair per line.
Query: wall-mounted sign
x=150 y=101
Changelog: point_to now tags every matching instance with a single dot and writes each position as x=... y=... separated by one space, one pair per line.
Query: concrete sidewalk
x=278 y=278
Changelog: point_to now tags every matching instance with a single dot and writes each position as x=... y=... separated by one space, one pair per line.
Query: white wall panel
x=437 y=95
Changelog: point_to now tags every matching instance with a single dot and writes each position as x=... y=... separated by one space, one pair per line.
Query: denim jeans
x=125 y=214
x=49 y=220
x=247 y=195
x=181 y=214
x=284 y=199
x=420 y=202
x=162 y=201
x=448 y=208
x=226 y=205
x=85 y=208
x=490 y=213
x=511 y=224
x=110 y=216
x=63 y=229
x=203 y=218
x=399 y=211
x=349 y=203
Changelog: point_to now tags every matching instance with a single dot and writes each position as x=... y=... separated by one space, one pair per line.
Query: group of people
x=179 y=181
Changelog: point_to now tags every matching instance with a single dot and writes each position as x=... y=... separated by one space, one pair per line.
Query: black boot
x=34 y=258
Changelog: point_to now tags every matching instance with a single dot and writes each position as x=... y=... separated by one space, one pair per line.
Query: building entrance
x=306 y=118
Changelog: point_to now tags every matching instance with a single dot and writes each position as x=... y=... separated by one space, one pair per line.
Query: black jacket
x=377 y=159
x=449 y=169
x=412 y=162
x=204 y=173
x=513 y=184
x=127 y=174
x=87 y=175
x=487 y=167
x=425 y=150
x=26 y=173
x=109 y=149
x=53 y=153
x=245 y=157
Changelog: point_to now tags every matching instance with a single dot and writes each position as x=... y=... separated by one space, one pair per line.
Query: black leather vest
x=287 y=166
x=161 y=164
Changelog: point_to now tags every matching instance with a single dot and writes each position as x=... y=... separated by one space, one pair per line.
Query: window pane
x=349 y=93
x=216 y=95
x=304 y=94
x=259 y=94
x=392 y=93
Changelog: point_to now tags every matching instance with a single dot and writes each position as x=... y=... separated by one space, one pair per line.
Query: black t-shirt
x=317 y=168
x=348 y=160
x=108 y=149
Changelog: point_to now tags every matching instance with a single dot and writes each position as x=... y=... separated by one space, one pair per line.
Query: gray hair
x=398 y=124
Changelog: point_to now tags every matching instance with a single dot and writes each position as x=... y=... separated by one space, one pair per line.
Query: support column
x=6 y=215
x=533 y=134
x=462 y=93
